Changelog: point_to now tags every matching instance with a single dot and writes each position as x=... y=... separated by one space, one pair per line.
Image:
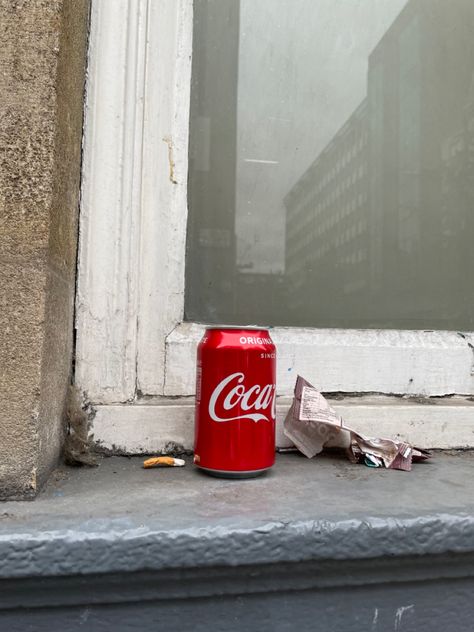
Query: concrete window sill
x=123 y=534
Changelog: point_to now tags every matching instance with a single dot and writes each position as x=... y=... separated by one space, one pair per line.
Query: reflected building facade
x=259 y=294
x=379 y=225
x=211 y=240
x=327 y=239
x=457 y=199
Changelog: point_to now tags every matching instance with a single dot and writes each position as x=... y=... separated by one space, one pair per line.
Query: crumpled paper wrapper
x=312 y=425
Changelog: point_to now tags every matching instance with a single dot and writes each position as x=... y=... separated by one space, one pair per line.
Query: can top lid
x=238 y=327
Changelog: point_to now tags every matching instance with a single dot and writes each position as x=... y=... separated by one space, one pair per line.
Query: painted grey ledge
x=76 y=552
x=122 y=519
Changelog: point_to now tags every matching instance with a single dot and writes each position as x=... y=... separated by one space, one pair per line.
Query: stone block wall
x=42 y=74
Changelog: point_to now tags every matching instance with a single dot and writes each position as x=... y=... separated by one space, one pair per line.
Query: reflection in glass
x=331 y=176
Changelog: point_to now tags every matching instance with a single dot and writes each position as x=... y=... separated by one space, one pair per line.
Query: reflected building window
x=332 y=185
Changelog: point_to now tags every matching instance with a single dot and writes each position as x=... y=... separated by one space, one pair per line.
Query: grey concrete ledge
x=122 y=519
x=122 y=550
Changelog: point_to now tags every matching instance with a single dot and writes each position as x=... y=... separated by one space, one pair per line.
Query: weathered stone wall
x=42 y=72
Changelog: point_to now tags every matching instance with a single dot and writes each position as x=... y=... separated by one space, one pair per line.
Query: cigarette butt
x=163 y=461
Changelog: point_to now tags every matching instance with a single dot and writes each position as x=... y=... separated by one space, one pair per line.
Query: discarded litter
x=163 y=461
x=312 y=424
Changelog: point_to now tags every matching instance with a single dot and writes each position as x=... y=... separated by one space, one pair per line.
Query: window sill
x=120 y=534
x=120 y=518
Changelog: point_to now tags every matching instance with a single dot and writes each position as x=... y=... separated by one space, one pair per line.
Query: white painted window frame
x=135 y=357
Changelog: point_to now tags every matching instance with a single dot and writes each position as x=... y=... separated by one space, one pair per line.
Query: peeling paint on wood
x=148 y=428
x=130 y=302
x=133 y=213
x=169 y=142
x=335 y=360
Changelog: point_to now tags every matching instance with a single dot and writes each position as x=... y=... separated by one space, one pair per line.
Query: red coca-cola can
x=235 y=402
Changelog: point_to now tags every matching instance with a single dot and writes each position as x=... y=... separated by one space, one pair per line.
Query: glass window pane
x=331 y=178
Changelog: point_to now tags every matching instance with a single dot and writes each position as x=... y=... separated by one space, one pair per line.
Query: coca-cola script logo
x=230 y=394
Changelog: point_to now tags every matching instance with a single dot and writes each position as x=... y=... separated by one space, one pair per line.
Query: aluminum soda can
x=235 y=402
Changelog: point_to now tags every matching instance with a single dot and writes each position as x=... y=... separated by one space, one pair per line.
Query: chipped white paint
x=375 y=619
x=107 y=295
x=148 y=427
x=399 y=615
x=130 y=300
x=133 y=212
x=165 y=173
x=144 y=429
x=381 y=361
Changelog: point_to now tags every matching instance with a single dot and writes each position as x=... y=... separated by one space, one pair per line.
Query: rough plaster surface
x=42 y=67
